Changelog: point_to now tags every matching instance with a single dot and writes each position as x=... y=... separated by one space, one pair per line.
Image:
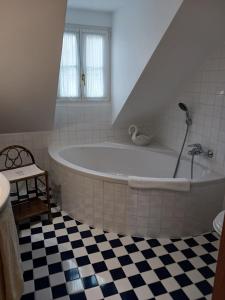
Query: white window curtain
x=69 y=77
x=94 y=65
x=84 y=71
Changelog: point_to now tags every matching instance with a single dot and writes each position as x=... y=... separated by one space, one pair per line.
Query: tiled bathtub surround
x=204 y=97
x=115 y=207
x=85 y=123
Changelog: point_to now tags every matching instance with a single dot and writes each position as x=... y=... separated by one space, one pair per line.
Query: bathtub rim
x=54 y=154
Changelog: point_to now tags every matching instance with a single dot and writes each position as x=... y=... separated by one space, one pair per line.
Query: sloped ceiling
x=31 y=38
x=195 y=30
x=137 y=31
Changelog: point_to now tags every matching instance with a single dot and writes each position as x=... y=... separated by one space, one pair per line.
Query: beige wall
x=31 y=39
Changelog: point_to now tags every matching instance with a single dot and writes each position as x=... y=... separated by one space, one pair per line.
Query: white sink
x=4 y=191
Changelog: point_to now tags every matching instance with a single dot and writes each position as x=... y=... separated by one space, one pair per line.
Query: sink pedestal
x=11 y=278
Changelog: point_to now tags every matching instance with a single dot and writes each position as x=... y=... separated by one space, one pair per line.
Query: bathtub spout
x=197 y=149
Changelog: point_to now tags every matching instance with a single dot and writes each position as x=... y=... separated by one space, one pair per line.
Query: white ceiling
x=97 y=5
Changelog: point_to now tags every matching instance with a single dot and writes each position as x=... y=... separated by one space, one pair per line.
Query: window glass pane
x=94 y=66
x=69 y=72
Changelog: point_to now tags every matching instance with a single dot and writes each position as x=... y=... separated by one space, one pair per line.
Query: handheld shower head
x=183 y=106
x=185 y=109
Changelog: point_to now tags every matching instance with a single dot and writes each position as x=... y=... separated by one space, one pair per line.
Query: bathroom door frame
x=219 y=287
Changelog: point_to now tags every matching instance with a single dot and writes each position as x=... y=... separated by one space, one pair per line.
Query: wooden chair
x=18 y=165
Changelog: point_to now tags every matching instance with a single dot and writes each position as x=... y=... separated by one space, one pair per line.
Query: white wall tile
x=202 y=95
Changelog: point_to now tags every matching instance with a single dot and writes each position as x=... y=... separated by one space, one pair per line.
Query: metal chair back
x=15 y=156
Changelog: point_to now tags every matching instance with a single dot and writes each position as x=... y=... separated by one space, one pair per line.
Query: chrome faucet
x=197 y=149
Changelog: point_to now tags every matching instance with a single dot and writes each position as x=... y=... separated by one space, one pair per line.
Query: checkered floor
x=69 y=260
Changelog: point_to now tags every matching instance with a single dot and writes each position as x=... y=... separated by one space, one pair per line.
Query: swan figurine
x=138 y=138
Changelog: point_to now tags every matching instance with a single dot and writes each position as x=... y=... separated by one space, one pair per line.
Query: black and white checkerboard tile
x=69 y=260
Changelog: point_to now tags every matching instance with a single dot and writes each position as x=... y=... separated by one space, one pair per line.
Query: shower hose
x=181 y=151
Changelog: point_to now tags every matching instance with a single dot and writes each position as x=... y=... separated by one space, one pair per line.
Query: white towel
x=176 y=184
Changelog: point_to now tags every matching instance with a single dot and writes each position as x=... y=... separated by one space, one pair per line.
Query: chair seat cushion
x=22 y=173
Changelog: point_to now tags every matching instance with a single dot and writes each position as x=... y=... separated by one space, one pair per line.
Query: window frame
x=71 y=28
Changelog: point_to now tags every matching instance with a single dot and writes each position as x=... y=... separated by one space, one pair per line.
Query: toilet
x=218 y=222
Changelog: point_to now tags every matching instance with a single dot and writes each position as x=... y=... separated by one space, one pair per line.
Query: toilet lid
x=218 y=222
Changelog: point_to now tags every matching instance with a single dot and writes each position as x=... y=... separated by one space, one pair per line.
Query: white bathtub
x=94 y=190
